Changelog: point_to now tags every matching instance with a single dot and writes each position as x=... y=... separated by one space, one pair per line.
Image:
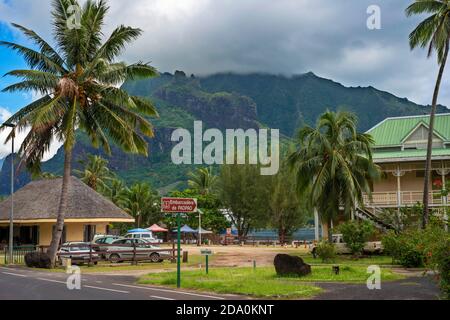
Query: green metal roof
x=392 y=131
x=410 y=154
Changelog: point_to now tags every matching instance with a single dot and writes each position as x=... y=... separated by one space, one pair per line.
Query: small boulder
x=38 y=260
x=287 y=265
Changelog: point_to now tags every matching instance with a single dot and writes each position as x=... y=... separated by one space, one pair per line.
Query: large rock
x=287 y=265
x=38 y=260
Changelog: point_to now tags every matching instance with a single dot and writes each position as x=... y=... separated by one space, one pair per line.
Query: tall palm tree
x=434 y=33
x=335 y=162
x=203 y=180
x=78 y=80
x=96 y=173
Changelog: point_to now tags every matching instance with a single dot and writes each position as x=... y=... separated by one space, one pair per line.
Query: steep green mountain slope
x=228 y=101
x=288 y=102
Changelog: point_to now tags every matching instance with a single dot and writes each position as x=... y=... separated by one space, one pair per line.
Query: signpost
x=178 y=206
x=206 y=253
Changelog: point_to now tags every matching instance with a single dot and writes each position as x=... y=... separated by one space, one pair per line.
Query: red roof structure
x=156 y=228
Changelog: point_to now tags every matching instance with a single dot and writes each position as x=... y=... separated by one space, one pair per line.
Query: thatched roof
x=39 y=200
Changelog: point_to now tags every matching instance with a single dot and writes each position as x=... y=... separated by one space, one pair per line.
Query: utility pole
x=11 y=214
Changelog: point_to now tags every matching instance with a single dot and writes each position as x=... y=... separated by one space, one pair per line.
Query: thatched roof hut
x=38 y=202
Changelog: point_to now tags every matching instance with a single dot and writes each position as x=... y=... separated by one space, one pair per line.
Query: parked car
x=143 y=251
x=373 y=247
x=143 y=235
x=78 y=252
x=103 y=241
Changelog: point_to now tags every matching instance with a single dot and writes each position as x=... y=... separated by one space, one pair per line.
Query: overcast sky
x=288 y=37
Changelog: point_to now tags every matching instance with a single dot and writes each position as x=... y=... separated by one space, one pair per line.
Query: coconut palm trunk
x=59 y=228
x=425 y=217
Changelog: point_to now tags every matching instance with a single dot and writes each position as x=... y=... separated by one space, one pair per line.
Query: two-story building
x=400 y=150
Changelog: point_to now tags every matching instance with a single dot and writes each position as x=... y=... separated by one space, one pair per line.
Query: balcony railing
x=407 y=198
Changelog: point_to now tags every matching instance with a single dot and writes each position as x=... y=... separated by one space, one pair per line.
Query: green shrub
x=356 y=234
x=405 y=249
x=326 y=251
x=418 y=248
x=437 y=253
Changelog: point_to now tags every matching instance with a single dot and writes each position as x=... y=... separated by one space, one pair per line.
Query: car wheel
x=154 y=257
x=114 y=258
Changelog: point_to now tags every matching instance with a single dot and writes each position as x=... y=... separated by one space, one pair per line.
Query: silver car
x=143 y=251
x=78 y=252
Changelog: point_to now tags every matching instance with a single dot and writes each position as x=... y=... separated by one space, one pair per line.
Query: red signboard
x=178 y=205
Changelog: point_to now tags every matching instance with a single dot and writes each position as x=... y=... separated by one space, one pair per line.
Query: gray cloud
x=327 y=37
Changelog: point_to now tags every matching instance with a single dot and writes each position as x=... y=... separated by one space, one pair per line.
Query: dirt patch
x=233 y=256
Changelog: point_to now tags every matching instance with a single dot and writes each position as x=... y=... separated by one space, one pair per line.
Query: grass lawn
x=263 y=282
x=349 y=260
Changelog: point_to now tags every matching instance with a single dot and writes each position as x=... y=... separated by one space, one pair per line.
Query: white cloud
x=5 y=149
x=327 y=37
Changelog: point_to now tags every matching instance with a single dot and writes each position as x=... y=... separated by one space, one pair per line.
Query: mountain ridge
x=231 y=101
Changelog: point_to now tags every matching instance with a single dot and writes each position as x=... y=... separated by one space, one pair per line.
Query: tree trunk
x=58 y=230
x=282 y=235
x=425 y=216
x=330 y=231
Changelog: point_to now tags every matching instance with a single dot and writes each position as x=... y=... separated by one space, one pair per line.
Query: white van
x=147 y=236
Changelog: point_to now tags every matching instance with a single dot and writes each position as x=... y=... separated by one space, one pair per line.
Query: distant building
x=35 y=213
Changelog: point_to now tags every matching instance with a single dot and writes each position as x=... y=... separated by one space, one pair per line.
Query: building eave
x=81 y=220
x=409 y=159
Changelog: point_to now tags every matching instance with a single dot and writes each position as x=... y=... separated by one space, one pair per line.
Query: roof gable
x=393 y=131
x=420 y=132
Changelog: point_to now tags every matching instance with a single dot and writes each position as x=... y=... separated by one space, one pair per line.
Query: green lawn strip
x=349 y=260
x=348 y=274
x=263 y=282
x=260 y=283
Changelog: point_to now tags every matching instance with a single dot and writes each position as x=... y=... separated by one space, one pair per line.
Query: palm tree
x=203 y=180
x=140 y=201
x=434 y=33
x=335 y=162
x=96 y=173
x=116 y=192
x=78 y=81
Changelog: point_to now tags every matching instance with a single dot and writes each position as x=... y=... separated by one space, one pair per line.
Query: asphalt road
x=25 y=284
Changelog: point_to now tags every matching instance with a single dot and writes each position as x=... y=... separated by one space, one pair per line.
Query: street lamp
x=11 y=215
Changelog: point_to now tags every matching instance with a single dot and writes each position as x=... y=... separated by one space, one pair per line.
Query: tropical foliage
x=203 y=180
x=78 y=80
x=335 y=162
x=288 y=210
x=142 y=203
x=244 y=194
x=356 y=234
x=96 y=173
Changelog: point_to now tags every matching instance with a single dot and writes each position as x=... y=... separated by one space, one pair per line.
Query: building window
x=89 y=233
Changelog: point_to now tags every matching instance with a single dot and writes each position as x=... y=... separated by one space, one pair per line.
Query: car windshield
x=80 y=249
x=76 y=248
